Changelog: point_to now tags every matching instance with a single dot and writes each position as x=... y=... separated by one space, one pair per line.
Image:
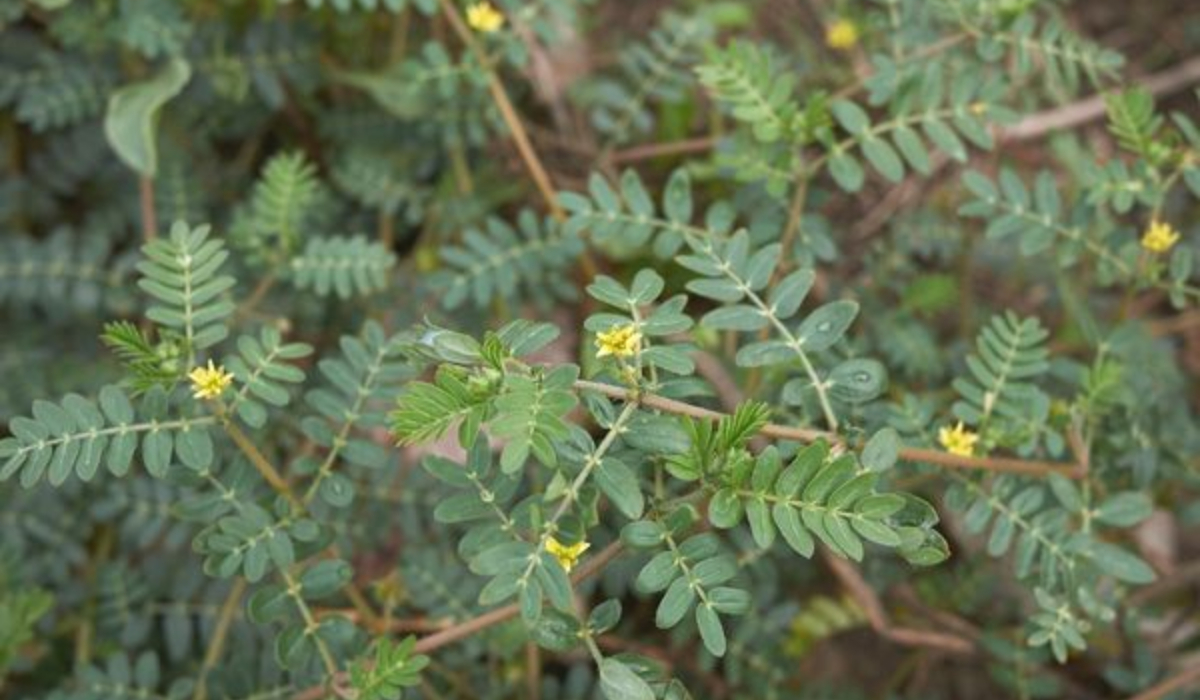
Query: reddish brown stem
x=488 y=619
x=862 y=593
x=913 y=454
x=149 y=213
x=1187 y=678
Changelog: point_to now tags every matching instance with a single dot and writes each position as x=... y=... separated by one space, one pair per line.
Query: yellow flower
x=483 y=17
x=619 y=341
x=841 y=35
x=566 y=554
x=958 y=440
x=1159 y=237
x=209 y=382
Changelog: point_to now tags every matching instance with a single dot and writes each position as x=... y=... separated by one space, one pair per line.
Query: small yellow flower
x=619 y=341
x=209 y=382
x=566 y=554
x=958 y=440
x=483 y=17
x=841 y=35
x=1159 y=237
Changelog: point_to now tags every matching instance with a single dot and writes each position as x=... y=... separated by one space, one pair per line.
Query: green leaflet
x=766 y=240
x=392 y=668
x=532 y=411
x=180 y=273
x=1009 y=353
x=815 y=498
x=76 y=437
x=346 y=267
x=262 y=373
x=619 y=682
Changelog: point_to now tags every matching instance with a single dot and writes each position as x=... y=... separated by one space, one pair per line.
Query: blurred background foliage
x=981 y=177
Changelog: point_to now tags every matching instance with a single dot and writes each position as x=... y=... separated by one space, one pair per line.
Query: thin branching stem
x=572 y=494
x=516 y=127
x=216 y=644
x=261 y=464
x=475 y=625
x=507 y=112
x=806 y=435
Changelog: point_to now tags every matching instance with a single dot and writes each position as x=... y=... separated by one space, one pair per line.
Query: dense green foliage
x=568 y=349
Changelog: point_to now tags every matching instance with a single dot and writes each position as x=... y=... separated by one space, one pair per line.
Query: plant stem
x=512 y=120
x=461 y=169
x=465 y=629
x=872 y=607
x=649 y=151
x=310 y=623
x=533 y=672
x=1186 y=678
x=149 y=214
x=264 y=467
x=795 y=214
x=260 y=292
x=806 y=435
x=216 y=645
x=83 y=637
x=572 y=494
x=507 y=112
x=387 y=228
x=786 y=243
x=363 y=606
x=272 y=476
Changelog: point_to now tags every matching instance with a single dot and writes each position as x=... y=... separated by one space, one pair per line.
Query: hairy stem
x=806 y=435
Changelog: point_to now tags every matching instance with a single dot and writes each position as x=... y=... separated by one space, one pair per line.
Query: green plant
x=365 y=349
